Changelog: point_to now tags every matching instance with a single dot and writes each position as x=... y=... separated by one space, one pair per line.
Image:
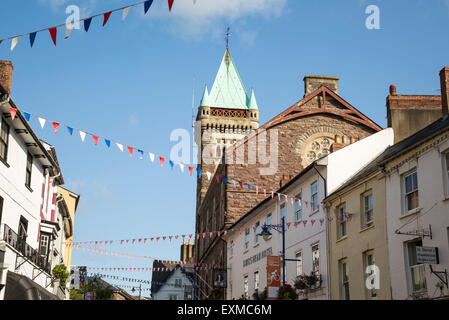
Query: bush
x=287 y=292
x=60 y=272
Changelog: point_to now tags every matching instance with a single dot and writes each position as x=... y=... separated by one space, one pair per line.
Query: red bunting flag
x=53 y=32
x=162 y=161
x=106 y=17
x=217 y=177
x=95 y=139
x=130 y=150
x=13 y=112
x=190 y=170
x=241 y=185
x=170 y=4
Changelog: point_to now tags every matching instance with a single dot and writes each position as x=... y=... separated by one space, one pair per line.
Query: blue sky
x=132 y=82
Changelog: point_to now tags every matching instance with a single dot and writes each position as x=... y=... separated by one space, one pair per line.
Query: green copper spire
x=252 y=104
x=228 y=90
x=205 y=99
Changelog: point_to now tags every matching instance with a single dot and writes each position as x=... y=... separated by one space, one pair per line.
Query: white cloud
x=208 y=17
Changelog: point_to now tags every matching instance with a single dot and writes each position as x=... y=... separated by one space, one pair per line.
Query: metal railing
x=18 y=243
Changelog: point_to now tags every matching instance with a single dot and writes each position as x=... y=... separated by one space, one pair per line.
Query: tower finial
x=227 y=37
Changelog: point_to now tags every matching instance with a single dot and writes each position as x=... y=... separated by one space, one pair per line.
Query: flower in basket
x=286 y=292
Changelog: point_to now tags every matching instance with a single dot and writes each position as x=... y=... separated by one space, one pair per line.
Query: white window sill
x=411 y=213
x=314 y=212
x=256 y=245
x=367 y=228
x=342 y=238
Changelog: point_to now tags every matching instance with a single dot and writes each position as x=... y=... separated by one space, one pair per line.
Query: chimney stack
x=311 y=83
x=6 y=69
x=444 y=83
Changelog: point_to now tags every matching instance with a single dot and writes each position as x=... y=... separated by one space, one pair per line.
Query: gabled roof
x=296 y=111
x=227 y=91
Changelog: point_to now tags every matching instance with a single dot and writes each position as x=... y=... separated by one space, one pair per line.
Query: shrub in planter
x=287 y=292
x=60 y=272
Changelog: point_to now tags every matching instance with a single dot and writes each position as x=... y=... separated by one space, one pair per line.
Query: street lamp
x=266 y=234
x=140 y=289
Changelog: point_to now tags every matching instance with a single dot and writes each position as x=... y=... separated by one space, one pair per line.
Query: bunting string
x=236 y=183
x=94 y=244
x=69 y=26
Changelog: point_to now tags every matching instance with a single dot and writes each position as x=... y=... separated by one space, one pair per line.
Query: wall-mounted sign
x=427 y=255
x=273 y=277
x=220 y=279
x=257 y=257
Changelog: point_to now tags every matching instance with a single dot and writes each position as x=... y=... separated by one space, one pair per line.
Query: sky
x=132 y=81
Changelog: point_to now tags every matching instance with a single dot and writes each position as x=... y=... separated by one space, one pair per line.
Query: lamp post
x=266 y=236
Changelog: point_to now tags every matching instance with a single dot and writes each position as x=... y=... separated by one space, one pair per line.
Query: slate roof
x=162 y=276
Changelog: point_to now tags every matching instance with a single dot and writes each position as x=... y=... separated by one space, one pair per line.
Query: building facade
x=320 y=123
x=32 y=234
x=306 y=224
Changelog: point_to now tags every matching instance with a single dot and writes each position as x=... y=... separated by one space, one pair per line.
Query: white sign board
x=427 y=255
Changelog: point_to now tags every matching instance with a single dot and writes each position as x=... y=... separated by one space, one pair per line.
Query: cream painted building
x=357 y=237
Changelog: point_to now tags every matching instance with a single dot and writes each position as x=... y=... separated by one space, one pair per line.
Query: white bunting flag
x=125 y=13
x=152 y=157
x=42 y=122
x=82 y=135
x=182 y=167
x=208 y=175
x=120 y=146
x=14 y=43
x=69 y=29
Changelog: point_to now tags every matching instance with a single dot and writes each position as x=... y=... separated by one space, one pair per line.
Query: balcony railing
x=18 y=243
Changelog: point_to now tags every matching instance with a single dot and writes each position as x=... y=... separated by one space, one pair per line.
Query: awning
x=20 y=287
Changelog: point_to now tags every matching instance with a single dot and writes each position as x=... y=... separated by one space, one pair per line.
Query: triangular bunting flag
x=108 y=142
x=87 y=24
x=82 y=135
x=56 y=127
x=53 y=32
x=190 y=170
x=27 y=116
x=170 y=4
x=125 y=13
x=162 y=161
x=70 y=130
x=151 y=157
x=14 y=42
x=69 y=29
x=171 y=164
x=130 y=150
x=95 y=139
x=147 y=5
x=106 y=17
x=120 y=146
x=42 y=122
x=13 y=112
x=32 y=38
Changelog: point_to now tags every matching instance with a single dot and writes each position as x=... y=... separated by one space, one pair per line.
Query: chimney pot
x=393 y=90
x=6 y=69
x=444 y=83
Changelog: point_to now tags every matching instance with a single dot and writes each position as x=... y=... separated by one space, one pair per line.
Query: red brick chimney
x=6 y=75
x=444 y=83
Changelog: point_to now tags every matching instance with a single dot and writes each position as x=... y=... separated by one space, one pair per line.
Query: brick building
x=320 y=123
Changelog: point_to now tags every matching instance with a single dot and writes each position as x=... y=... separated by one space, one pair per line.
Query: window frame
x=341 y=223
x=367 y=263
x=256 y=280
x=247 y=237
x=4 y=139
x=344 y=280
x=298 y=206
x=405 y=194
x=445 y=157
x=314 y=196
x=48 y=235
x=256 y=235
x=315 y=266
x=28 y=170
x=246 y=286
x=299 y=264
x=365 y=222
